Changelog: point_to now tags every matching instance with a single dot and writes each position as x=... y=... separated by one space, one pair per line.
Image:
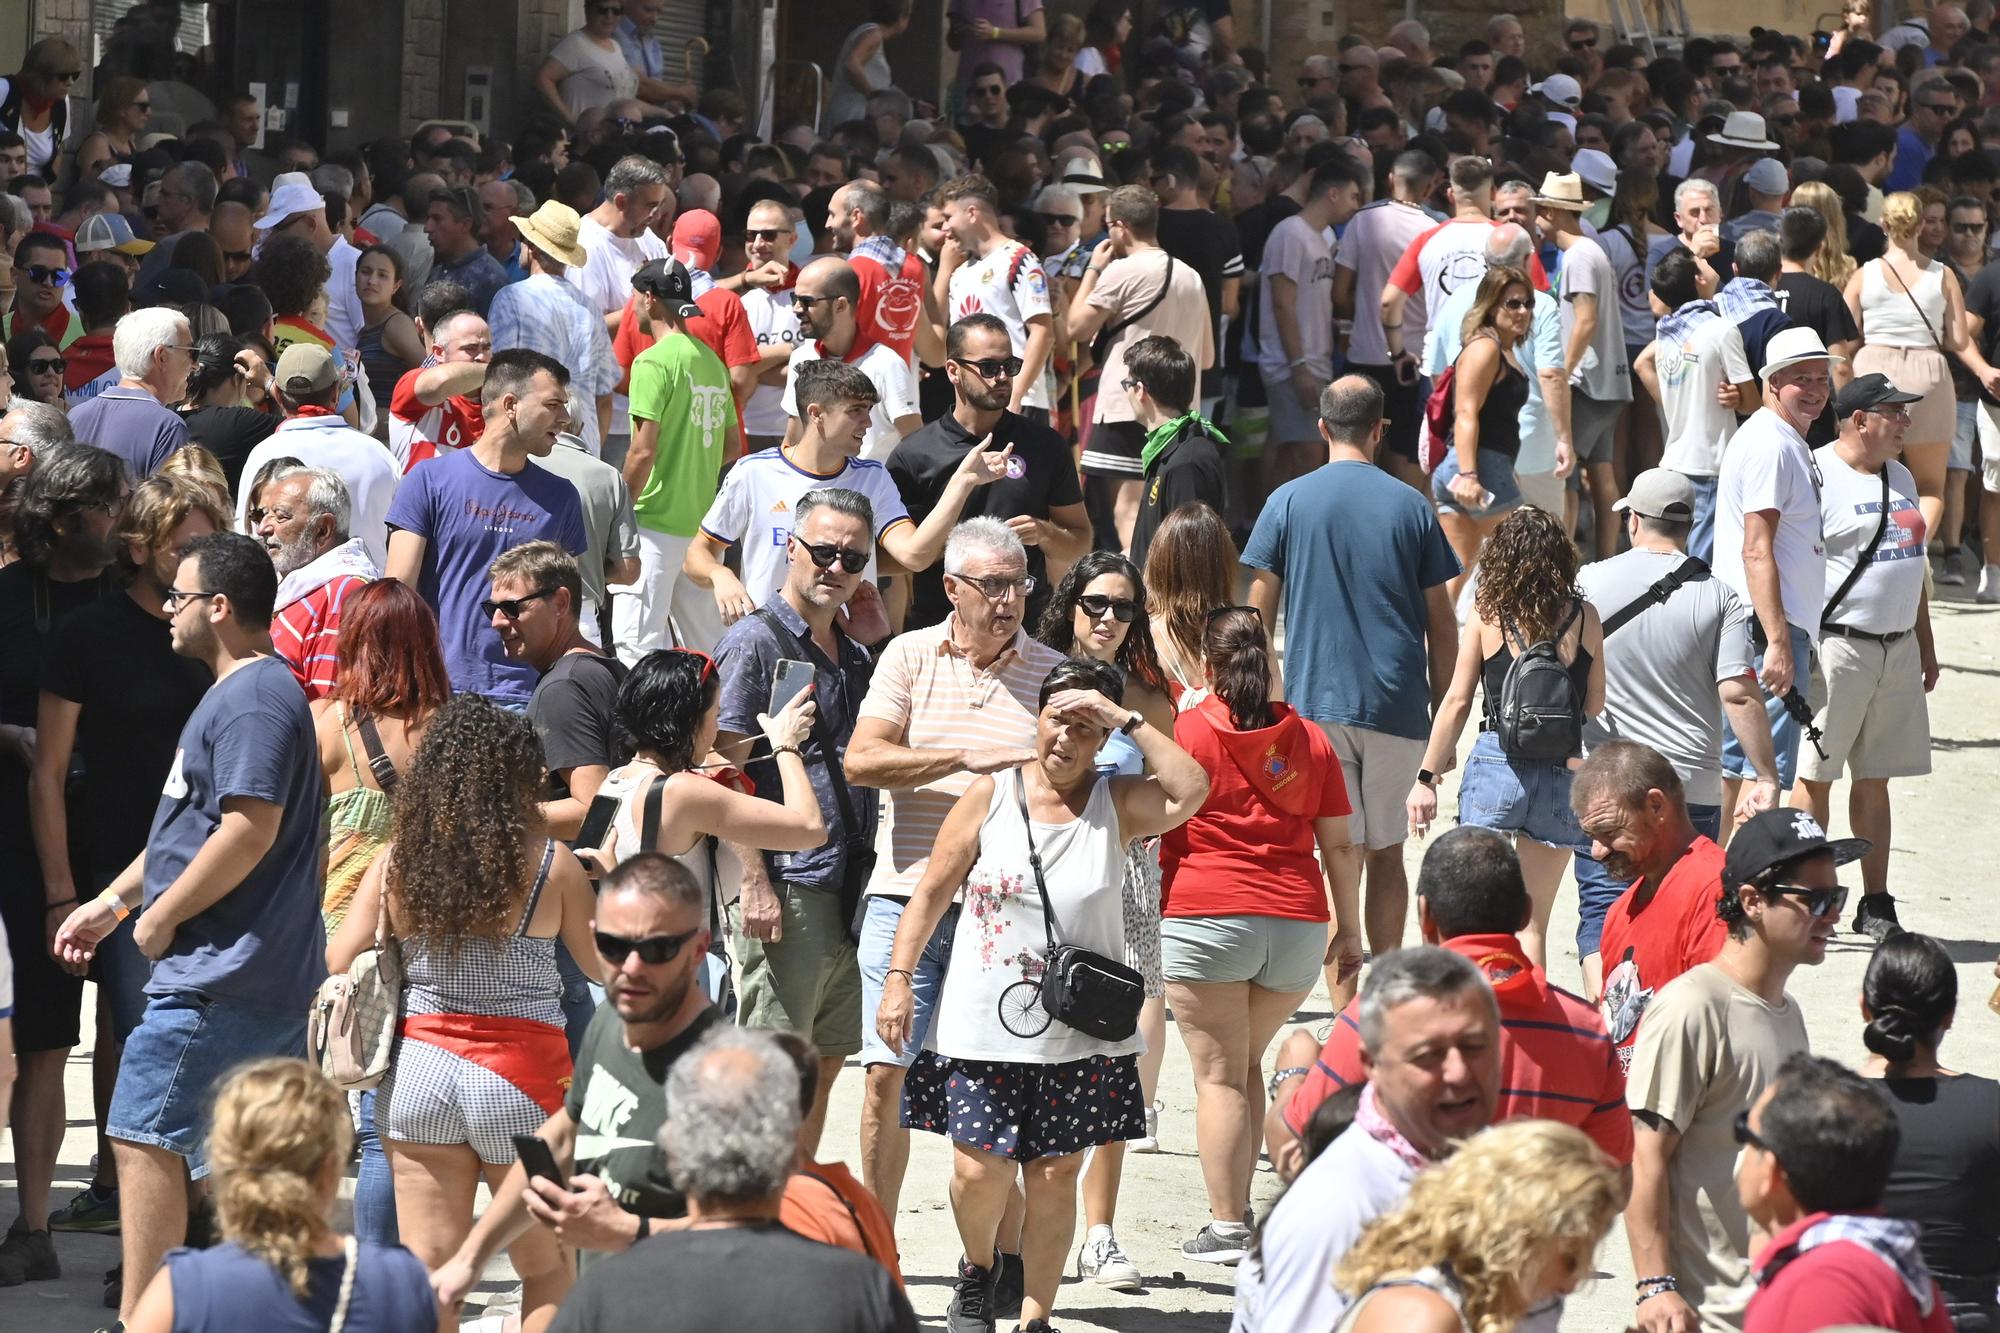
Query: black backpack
x=1539 y=716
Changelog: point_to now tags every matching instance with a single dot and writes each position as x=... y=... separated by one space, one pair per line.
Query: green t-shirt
x=681 y=384
x=619 y=1101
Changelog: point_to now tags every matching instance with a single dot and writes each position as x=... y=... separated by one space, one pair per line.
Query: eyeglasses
x=1893 y=411
x=824 y=554
x=1217 y=613
x=763 y=233
x=1121 y=609
x=1745 y=1136
x=513 y=606
x=996 y=588
x=55 y=277
x=653 y=950
x=1058 y=219
x=175 y=597
x=989 y=370
x=1817 y=902
x=1517 y=303
x=53 y=365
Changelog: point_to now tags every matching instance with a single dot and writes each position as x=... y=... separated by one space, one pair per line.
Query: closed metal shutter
x=680 y=22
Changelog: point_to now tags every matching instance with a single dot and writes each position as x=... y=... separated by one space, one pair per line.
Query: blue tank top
x=228 y=1289
x=1119 y=756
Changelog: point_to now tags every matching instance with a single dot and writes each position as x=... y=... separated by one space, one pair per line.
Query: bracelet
x=1386 y=328
x=1279 y=1076
x=117 y=905
x=901 y=972
x=1649 y=1287
x=60 y=902
x=777 y=750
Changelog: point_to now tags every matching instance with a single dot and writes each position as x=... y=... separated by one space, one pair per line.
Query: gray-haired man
x=303 y=522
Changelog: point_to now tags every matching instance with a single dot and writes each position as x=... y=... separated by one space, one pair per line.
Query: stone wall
x=64 y=18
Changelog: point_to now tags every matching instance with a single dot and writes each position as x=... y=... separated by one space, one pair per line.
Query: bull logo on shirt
x=710 y=412
x=1625 y=1002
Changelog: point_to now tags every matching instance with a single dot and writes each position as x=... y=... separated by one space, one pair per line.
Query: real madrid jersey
x=1008 y=283
x=754 y=508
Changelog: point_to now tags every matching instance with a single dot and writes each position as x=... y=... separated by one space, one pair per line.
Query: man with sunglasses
x=1933 y=105
x=828 y=297
x=41 y=271
x=1713 y=1041
x=651 y=931
x=892 y=279
x=981 y=271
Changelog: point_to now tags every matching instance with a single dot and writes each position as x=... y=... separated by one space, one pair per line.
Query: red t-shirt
x=722 y=325
x=1646 y=946
x=891 y=304
x=1835 y=1284
x=417 y=429
x=86 y=359
x=1556 y=1063
x=1249 y=852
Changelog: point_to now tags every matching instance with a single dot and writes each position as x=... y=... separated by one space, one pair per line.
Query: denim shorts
x=1277 y=953
x=1785 y=732
x=1496 y=474
x=878 y=942
x=1518 y=796
x=183 y=1048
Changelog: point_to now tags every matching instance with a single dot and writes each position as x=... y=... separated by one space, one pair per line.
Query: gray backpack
x=1539 y=716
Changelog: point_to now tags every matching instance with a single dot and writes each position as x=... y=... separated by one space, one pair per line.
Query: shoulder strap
x=352 y=1249
x=649 y=814
x=1166 y=282
x=1034 y=856
x=347 y=739
x=1861 y=561
x=1921 y=314
x=379 y=763
x=835 y=775
x=859 y=1230
x=1663 y=588
x=541 y=882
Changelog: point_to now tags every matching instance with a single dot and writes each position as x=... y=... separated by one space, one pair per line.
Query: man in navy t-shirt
x=230 y=885
x=454 y=514
x=1370 y=636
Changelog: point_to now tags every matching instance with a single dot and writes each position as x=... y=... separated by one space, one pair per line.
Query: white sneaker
x=1989 y=584
x=1103 y=1262
x=1151 y=1141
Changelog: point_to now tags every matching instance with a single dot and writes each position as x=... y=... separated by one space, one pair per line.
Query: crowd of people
x=620 y=625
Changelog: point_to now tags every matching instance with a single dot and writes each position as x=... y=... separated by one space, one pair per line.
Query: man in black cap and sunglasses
x=1713 y=1041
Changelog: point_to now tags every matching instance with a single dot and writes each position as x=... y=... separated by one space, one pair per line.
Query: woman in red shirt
x=1245 y=904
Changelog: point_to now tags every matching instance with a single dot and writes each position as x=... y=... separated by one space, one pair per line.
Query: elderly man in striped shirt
x=302 y=520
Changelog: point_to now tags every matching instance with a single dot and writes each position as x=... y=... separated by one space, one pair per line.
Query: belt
x=1849 y=632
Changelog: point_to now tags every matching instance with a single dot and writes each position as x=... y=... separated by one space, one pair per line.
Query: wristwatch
x=1428 y=778
x=1279 y=1076
x=1132 y=723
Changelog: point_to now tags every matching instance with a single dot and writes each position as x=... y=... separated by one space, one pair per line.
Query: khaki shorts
x=809 y=980
x=1379 y=770
x=1869 y=700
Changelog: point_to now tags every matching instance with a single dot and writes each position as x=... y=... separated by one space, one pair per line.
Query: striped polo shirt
x=926 y=686
x=1556 y=1060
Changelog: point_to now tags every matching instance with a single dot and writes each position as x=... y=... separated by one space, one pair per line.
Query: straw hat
x=552 y=229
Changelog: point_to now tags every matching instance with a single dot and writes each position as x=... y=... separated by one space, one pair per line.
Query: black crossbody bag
x=1098 y=996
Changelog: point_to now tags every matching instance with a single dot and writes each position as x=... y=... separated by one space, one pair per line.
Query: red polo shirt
x=1556 y=1063
x=1838 y=1283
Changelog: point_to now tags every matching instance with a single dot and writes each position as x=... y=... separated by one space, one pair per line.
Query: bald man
x=233 y=231
x=828 y=294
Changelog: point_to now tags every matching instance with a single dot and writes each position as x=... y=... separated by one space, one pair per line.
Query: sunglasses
x=1588 y=43
x=513 y=606
x=989 y=370
x=763 y=233
x=1817 y=902
x=707 y=662
x=824 y=554
x=1937 y=109
x=1218 y=612
x=988 y=90
x=56 y=277
x=47 y=366
x=1058 y=219
x=1517 y=303
x=806 y=303
x=1745 y=1136
x=1968 y=228
x=175 y=597
x=1095 y=605
x=653 y=950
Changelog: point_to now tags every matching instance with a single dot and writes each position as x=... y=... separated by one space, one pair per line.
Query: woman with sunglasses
x=672 y=799
x=477 y=895
x=1474 y=485
x=37 y=365
x=123 y=109
x=34 y=103
x=1039 y=853
x=1099 y=611
x=1247 y=905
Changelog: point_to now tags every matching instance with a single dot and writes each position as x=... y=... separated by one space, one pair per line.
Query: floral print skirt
x=1025 y=1111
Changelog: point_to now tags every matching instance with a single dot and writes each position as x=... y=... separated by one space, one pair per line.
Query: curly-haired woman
x=478 y=896
x=1508 y=1224
x=1527 y=595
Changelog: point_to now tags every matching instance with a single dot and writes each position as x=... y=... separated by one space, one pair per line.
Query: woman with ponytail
x=278 y=1143
x=1246 y=904
x=1949 y=1155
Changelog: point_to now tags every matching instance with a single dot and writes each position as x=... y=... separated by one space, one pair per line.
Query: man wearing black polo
x=1039 y=498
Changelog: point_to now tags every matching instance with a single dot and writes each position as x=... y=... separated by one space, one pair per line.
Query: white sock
x=1100 y=1231
x=1230 y=1228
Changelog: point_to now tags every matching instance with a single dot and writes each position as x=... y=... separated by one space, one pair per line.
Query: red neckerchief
x=733 y=778
x=310 y=410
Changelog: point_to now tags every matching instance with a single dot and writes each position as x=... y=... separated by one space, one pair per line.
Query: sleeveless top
x=510 y=977
x=628 y=787
x=358 y=825
x=43 y=145
x=1890 y=318
x=1433 y=1279
x=848 y=102
x=227 y=1288
x=1500 y=414
x=384 y=367
x=1001 y=939
x=1945 y=1166
x=1493 y=673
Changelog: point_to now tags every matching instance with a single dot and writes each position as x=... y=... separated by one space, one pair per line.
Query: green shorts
x=809 y=980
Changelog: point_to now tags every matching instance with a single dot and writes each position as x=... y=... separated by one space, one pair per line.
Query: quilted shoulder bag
x=352 y=1027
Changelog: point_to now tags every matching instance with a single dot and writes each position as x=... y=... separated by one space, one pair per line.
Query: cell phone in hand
x=538 y=1160
x=788 y=682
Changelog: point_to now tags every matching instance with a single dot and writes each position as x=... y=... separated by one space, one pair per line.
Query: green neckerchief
x=1164 y=434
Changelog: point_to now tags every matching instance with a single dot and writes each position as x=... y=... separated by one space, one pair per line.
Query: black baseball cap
x=1779 y=837
x=668 y=279
x=1864 y=392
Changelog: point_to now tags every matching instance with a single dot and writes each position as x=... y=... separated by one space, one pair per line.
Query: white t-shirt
x=1885 y=598
x=1437 y=263
x=1299 y=251
x=363 y=462
x=596 y=76
x=1010 y=284
x=1690 y=372
x=605 y=279
x=1603 y=373
x=754 y=508
x=1768 y=466
x=895 y=390
x=773 y=321
x=1374 y=240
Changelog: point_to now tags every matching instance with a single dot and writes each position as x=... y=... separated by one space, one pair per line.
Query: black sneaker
x=1010 y=1286
x=28 y=1256
x=1036 y=1326
x=971 y=1308
x=114 y=1287
x=1875 y=917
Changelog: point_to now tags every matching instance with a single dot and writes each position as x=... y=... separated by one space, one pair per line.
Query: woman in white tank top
x=1911 y=314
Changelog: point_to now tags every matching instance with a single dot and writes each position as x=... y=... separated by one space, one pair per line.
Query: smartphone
x=597 y=821
x=538 y=1160
x=788 y=682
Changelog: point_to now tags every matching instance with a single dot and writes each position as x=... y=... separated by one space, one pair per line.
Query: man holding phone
x=800 y=970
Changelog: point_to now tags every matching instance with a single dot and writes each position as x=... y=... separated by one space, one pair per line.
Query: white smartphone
x=788 y=682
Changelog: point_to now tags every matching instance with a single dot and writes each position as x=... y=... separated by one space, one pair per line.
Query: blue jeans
x=579 y=1000
x=878 y=942
x=1701 y=538
x=1785 y=733
x=1597 y=888
x=374 y=1184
